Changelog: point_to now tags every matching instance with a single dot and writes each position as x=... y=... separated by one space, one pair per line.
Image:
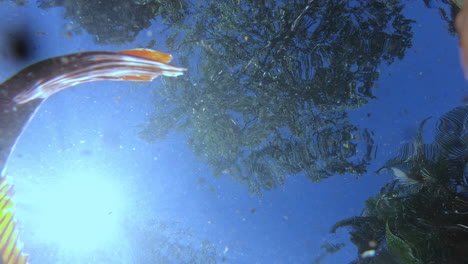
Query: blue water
x=90 y=132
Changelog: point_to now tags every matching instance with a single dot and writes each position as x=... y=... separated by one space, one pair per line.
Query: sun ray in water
x=20 y=97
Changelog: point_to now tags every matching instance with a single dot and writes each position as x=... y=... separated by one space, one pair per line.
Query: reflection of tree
x=165 y=243
x=20 y=2
x=117 y=21
x=424 y=221
x=273 y=83
x=448 y=9
x=328 y=249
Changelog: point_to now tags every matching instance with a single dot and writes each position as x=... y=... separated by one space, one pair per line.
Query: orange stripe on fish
x=137 y=78
x=11 y=249
x=149 y=54
x=146 y=54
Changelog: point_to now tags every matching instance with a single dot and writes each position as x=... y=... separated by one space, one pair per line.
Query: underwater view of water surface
x=294 y=131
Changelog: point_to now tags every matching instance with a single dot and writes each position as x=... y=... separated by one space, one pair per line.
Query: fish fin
x=137 y=78
x=11 y=249
x=149 y=54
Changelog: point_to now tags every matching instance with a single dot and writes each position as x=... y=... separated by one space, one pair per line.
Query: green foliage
x=439 y=163
x=421 y=222
x=400 y=248
x=426 y=226
x=266 y=96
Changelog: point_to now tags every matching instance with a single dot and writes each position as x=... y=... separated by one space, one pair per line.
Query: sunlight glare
x=81 y=213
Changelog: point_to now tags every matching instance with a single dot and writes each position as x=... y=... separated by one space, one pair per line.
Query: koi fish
x=22 y=95
x=50 y=76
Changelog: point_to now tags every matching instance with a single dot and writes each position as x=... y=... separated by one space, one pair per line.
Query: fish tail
x=149 y=54
x=11 y=248
x=161 y=67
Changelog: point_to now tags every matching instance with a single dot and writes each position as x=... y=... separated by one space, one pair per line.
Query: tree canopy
x=269 y=85
x=117 y=21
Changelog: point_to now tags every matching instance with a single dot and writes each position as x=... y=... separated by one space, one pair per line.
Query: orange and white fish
x=22 y=94
x=45 y=78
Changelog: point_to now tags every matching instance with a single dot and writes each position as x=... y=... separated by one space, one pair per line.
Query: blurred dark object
x=20 y=45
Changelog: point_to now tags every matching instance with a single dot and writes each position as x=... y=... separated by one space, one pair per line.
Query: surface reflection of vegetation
x=273 y=82
x=273 y=85
x=424 y=219
x=117 y=21
x=447 y=9
x=328 y=249
x=165 y=243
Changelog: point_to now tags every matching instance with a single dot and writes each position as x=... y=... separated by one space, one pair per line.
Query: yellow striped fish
x=10 y=246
